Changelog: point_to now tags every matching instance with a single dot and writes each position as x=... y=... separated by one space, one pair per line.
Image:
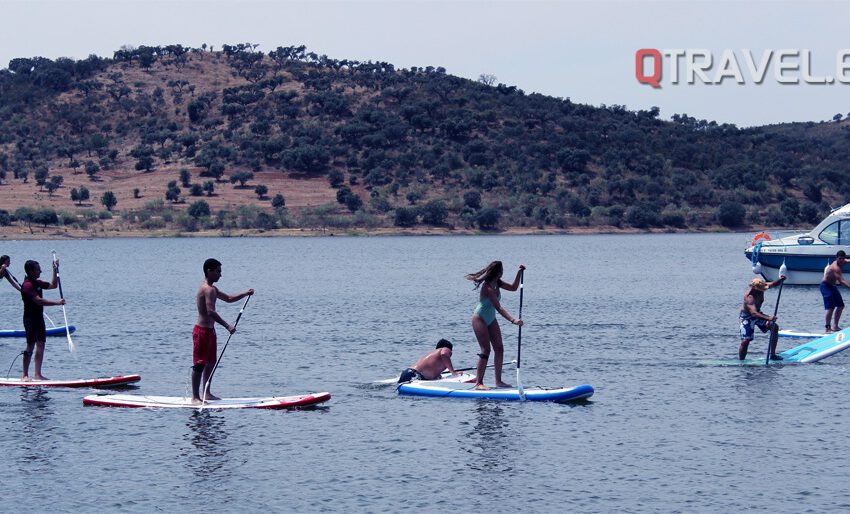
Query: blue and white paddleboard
x=800 y=334
x=457 y=387
x=811 y=351
x=54 y=331
x=818 y=349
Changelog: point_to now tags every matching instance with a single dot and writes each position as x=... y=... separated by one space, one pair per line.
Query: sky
x=574 y=49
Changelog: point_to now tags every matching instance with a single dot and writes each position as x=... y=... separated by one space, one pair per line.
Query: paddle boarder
x=484 y=323
x=751 y=317
x=31 y=294
x=832 y=301
x=5 y=262
x=431 y=366
x=204 y=348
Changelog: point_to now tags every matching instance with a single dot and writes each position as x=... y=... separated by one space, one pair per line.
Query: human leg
x=828 y=323
x=483 y=337
x=498 y=351
x=27 y=356
x=774 y=339
x=39 y=358
x=742 y=349
x=835 y=326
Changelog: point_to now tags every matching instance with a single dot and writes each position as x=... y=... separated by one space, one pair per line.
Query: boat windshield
x=837 y=233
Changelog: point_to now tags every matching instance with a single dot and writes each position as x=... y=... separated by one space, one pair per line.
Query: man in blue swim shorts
x=832 y=301
x=751 y=317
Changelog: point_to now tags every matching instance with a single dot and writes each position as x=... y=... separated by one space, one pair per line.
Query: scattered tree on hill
x=209 y=187
x=80 y=195
x=41 y=174
x=109 y=200
x=261 y=191
x=91 y=169
x=278 y=201
x=241 y=176
x=199 y=209
x=54 y=183
x=185 y=177
x=172 y=193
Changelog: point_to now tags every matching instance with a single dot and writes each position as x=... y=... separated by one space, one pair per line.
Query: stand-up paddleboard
x=811 y=351
x=86 y=382
x=461 y=387
x=53 y=331
x=801 y=334
x=463 y=377
x=177 y=402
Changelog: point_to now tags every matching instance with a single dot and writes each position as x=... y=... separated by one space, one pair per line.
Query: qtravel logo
x=700 y=66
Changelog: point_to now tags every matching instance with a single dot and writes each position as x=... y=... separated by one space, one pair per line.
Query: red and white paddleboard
x=85 y=382
x=176 y=402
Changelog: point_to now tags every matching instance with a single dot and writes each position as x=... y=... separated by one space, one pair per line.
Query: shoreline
x=24 y=234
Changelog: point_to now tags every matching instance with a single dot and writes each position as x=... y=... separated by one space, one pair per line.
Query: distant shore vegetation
x=397 y=147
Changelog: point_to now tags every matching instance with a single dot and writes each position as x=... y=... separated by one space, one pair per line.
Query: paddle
x=519 y=340
x=71 y=347
x=217 y=361
x=774 y=333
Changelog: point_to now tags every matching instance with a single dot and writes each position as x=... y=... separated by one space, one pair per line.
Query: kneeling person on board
x=751 y=317
x=31 y=294
x=204 y=348
x=431 y=366
x=832 y=300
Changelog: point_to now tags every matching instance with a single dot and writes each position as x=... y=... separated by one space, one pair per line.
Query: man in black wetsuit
x=31 y=294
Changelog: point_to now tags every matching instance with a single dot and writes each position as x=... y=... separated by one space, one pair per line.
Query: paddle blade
x=71 y=346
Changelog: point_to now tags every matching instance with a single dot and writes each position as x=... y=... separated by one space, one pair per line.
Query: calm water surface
x=632 y=315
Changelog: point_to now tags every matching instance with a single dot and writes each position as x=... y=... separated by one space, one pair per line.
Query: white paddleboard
x=84 y=382
x=178 y=402
x=801 y=334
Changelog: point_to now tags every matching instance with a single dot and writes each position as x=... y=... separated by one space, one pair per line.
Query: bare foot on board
x=481 y=387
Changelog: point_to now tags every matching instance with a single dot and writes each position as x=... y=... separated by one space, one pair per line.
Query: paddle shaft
x=217 y=361
x=519 y=339
x=71 y=347
x=772 y=328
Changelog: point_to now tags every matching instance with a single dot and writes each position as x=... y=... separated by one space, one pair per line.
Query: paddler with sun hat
x=751 y=317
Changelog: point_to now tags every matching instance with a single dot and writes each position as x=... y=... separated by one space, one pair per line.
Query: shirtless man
x=751 y=317
x=431 y=366
x=832 y=300
x=204 y=349
x=31 y=294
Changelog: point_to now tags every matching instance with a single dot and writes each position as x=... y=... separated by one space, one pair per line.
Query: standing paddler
x=204 y=344
x=751 y=317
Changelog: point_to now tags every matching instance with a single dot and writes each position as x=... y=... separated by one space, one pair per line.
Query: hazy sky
x=577 y=49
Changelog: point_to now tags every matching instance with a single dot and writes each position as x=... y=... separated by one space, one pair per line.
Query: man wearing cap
x=832 y=301
x=751 y=317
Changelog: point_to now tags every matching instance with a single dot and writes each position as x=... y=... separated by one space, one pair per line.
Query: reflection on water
x=37 y=423
x=489 y=439
x=207 y=435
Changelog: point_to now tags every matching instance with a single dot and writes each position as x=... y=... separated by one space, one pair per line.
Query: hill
x=194 y=139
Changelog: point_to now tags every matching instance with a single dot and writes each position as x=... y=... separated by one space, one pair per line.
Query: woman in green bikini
x=484 y=318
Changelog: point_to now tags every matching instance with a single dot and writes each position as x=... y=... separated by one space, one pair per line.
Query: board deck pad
x=177 y=402
x=50 y=332
x=120 y=380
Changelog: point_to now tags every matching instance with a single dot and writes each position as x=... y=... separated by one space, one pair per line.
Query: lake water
x=633 y=315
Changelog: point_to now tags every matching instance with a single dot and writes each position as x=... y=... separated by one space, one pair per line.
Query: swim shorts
x=410 y=374
x=831 y=296
x=204 y=347
x=748 y=324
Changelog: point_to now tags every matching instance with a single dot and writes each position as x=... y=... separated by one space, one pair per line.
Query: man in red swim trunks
x=204 y=350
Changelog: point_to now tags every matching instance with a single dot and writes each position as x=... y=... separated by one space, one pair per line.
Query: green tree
x=261 y=191
x=353 y=202
x=209 y=187
x=278 y=201
x=434 y=213
x=488 y=218
x=731 y=214
x=80 y=195
x=185 y=177
x=91 y=169
x=41 y=174
x=241 y=176
x=109 y=200
x=199 y=209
